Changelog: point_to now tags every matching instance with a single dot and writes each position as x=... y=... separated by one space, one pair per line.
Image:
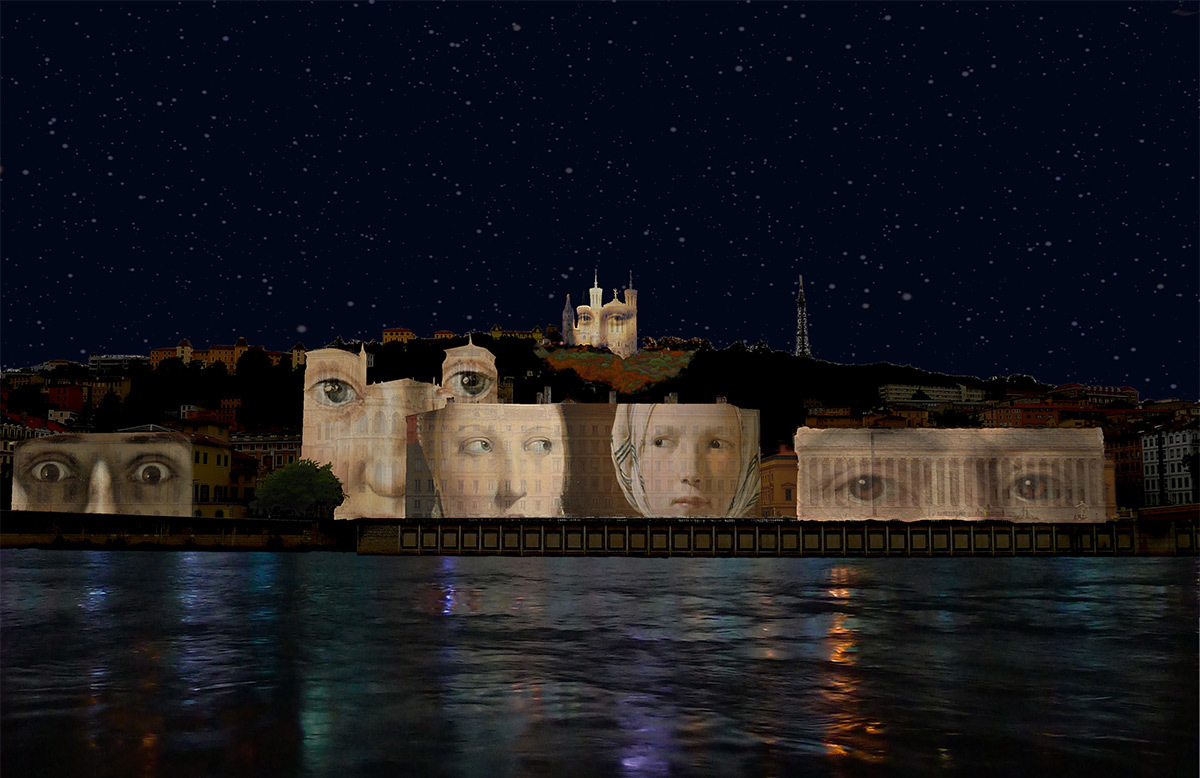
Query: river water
x=149 y=663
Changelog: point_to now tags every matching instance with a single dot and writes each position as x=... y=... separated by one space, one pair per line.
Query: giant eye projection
x=131 y=473
x=469 y=374
x=334 y=392
x=907 y=474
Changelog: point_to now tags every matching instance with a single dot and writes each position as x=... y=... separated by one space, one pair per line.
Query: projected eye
x=871 y=488
x=476 y=446
x=539 y=446
x=1035 y=488
x=470 y=383
x=50 y=472
x=585 y=318
x=665 y=443
x=720 y=444
x=151 y=474
x=333 y=391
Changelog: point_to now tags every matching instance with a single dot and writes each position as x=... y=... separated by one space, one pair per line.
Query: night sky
x=971 y=188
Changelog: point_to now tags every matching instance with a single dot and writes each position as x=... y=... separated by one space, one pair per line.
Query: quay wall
x=604 y=537
x=34 y=529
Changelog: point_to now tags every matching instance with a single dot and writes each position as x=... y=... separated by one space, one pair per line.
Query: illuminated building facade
x=778 y=473
x=1170 y=458
x=398 y=335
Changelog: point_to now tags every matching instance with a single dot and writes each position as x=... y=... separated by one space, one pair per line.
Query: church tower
x=596 y=294
x=568 y=324
x=803 y=349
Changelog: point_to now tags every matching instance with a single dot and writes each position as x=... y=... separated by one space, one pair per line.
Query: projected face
x=693 y=459
x=614 y=326
x=913 y=474
x=360 y=429
x=124 y=473
x=687 y=460
x=497 y=460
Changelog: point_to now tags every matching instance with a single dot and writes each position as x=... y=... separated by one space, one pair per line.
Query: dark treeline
x=270 y=395
x=774 y=382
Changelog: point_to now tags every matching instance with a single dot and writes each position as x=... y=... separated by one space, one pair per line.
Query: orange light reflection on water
x=848 y=732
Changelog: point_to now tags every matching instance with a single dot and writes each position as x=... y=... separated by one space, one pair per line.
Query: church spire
x=596 y=294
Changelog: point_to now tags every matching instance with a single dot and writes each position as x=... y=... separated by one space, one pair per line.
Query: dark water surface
x=144 y=664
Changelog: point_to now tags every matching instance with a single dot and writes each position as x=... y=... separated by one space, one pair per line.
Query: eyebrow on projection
x=71 y=459
x=69 y=438
x=161 y=455
x=330 y=373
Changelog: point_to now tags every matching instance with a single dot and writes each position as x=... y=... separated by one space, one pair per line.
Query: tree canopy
x=303 y=488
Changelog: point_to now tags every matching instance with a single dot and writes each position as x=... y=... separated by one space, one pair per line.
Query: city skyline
x=970 y=190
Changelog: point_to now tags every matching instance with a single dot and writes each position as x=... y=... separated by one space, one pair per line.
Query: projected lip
x=397 y=491
x=692 y=503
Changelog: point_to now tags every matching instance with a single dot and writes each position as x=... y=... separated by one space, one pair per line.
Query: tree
x=303 y=488
x=28 y=400
x=109 y=414
x=1191 y=464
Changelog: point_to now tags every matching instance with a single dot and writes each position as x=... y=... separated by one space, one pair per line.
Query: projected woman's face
x=124 y=473
x=498 y=460
x=691 y=460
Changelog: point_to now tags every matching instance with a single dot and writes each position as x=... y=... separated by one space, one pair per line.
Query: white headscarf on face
x=630 y=432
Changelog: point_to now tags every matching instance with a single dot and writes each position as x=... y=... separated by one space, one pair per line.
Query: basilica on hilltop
x=611 y=325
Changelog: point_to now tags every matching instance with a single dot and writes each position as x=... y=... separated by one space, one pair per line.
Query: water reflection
x=211 y=664
x=849 y=733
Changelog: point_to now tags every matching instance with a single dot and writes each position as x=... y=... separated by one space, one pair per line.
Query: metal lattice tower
x=803 y=349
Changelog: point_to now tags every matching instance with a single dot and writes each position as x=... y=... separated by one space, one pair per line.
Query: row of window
x=1180 y=439
x=1172 y=467
x=1173 y=482
x=201 y=458
x=201 y=493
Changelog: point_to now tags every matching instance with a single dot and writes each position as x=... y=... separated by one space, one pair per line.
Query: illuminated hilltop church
x=611 y=325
